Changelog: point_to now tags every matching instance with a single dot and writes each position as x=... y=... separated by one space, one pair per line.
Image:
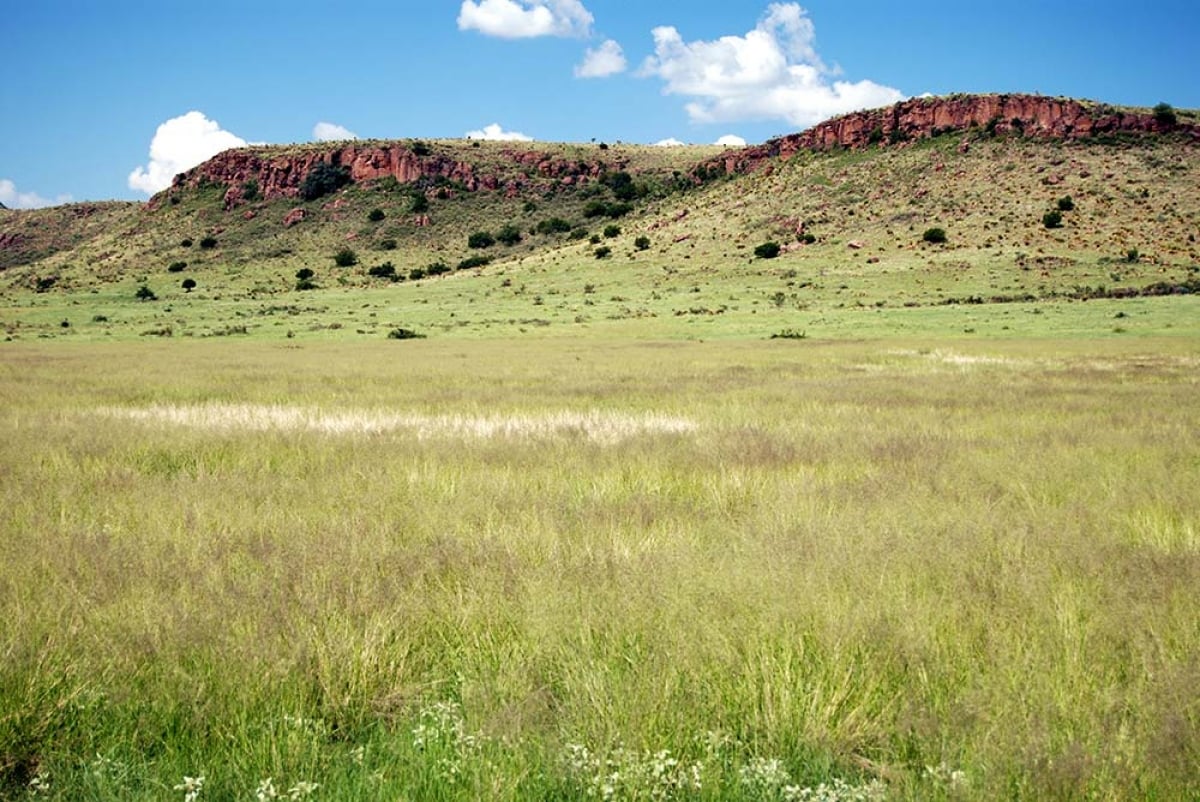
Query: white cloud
x=523 y=19
x=669 y=143
x=731 y=141
x=603 y=61
x=495 y=133
x=773 y=72
x=180 y=144
x=332 y=132
x=14 y=199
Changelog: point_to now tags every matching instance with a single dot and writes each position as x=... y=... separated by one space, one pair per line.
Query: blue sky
x=90 y=87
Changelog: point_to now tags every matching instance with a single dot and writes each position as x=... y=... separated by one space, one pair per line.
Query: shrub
x=481 y=239
x=934 y=235
x=768 y=250
x=250 y=190
x=387 y=244
x=416 y=274
x=375 y=215
x=1164 y=114
x=386 y=270
x=595 y=208
x=578 y=233
x=208 y=243
x=323 y=179
x=615 y=210
x=611 y=231
x=594 y=239
x=509 y=235
x=306 y=284
x=1052 y=219
x=419 y=148
x=420 y=203
x=790 y=334
x=603 y=252
x=404 y=334
x=555 y=225
x=188 y=284
x=1132 y=255
x=176 y=267
x=43 y=284
x=642 y=243
x=345 y=258
x=304 y=273
x=474 y=261
x=1066 y=204
x=436 y=269
x=144 y=293
x=186 y=242
x=808 y=239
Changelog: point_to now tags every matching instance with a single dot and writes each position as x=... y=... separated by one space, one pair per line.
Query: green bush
x=934 y=235
x=416 y=274
x=419 y=148
x=1132 y=255
x=420 y=203
x=322 y=180
x=555 y=225
x=375 y=215
x=808 y=239
x=144 y=293
x=250 y=191
x=345 y=258
x=603 y=252
x=611 y=231
x=1066 y=204
x=386 y=270
x=436 y=269
x=474 y=261
x=481 y=239
x=509 y=235
x=306 y=284
x=176 y=267
x=404 y=334
x=641 y=243
x=1164 y=114
x=186 y=242
x=1052 y=219
x=768 y=250
x=208 y=243
x=595 y=208
x=387 y=244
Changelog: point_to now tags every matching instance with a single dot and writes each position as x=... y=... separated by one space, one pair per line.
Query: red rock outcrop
x=920 y=118
x=280 y=174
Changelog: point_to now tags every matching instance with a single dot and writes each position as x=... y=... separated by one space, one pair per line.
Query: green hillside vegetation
x=683 y=264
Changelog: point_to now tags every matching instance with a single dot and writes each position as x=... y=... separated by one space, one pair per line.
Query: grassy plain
x=591 y=568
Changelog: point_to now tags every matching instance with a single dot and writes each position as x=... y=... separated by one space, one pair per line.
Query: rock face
x=920 y=118
x=280 y=174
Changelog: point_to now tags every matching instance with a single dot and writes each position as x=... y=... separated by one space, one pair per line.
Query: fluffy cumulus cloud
x=525 y=19
x=731 y=141
x=13 y=198
x=669 y=143
x=497 y=134
x=180 y=144
x=771 y=73
x=603 y=61
x=332 y=132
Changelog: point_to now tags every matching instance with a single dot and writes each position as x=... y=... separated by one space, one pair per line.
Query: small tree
x=1164 y=114
x=345 y=258
x=768 y=250
x=304 y=273
x=481 y=239
x=189 y=284
x=1052 y=219
x=509 y=235
x=935 y=236
x=323 y=179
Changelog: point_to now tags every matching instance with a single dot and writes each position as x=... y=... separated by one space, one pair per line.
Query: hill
x=1041 y=203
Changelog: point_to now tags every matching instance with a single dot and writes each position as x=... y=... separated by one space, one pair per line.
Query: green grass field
x=591 y=567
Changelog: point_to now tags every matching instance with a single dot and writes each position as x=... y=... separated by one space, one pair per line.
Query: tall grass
x=920 y=573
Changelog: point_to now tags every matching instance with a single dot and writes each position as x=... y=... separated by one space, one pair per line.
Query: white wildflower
x=266 y=790
x=302 y=789
x=40 y=783
x=191 y=787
